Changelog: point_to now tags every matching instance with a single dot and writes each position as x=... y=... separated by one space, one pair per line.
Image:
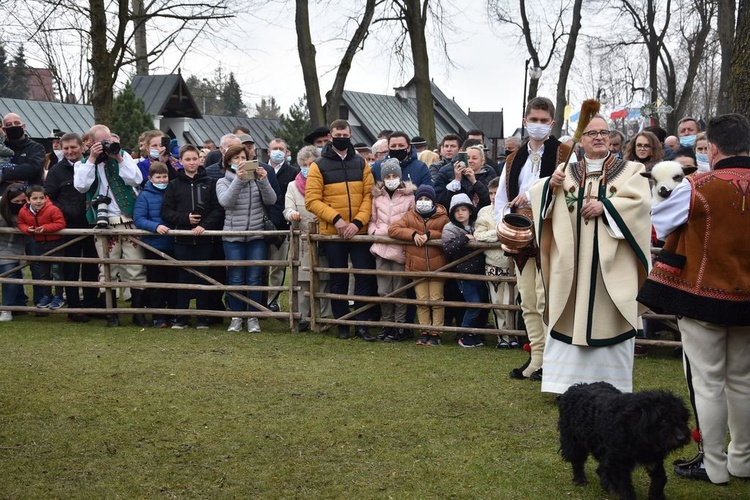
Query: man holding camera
x=108 y=179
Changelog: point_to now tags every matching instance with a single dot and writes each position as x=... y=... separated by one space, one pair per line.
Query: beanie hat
x=426 y=190
x=461 y=200
x=390 y=166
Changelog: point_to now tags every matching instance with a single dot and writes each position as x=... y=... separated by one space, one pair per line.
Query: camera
x=111 y=148
x=100 y=204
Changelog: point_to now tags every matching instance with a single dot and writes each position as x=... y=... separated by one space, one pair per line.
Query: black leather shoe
x=363 y=333
x=113 y=321
x=303 y=326
x=536 y=376
x=344 y=333
x=517 y=373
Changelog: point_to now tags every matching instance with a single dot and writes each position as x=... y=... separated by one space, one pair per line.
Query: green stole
x=123 y=194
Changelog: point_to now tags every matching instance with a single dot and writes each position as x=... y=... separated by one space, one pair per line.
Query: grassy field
x=87 y=411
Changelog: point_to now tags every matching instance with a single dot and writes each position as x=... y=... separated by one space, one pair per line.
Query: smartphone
x=461 y=157
x=165 y=142
x=198 y=210
x=250 y=168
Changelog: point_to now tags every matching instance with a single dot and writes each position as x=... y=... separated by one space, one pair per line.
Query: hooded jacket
x=245 y=204
x=339 y=189
x=427 y=257
x=49 y=217
x=147 y=216
x=385 y=211
x=455 y=238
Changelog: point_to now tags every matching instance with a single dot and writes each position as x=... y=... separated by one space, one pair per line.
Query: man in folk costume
x=534 y=160
x=703 y=276
x=593 y=226
x=114 y=175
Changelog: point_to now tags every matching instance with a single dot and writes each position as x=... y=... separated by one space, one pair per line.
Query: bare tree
x=108 y=31
x=739 y=91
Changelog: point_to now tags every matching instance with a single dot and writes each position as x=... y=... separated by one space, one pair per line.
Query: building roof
x=372 y=113
x=214 y=127
x=41 y=117
x=166 y=95
x=489 y=122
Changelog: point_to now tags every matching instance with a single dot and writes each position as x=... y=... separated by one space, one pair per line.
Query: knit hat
x=425 y=190
x=461 y=200
x=390 y=166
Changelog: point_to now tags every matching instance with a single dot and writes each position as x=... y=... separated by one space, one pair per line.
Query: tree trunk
x=567 y=62
x=416 y=18
x=306 y=51
x=653 y=47
x=725 y=28
x=334 y=96
x=141 y=47
x=101 y=63
x=739 y=91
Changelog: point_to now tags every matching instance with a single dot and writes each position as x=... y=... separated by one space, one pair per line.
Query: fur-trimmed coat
x=387 y=209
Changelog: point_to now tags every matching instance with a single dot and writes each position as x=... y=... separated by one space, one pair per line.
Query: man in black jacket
x=28 y=156
x=59 y=187
x=285 y=173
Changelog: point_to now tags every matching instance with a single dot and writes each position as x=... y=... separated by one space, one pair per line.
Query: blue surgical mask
x=160 y=186
x=234 y=167
x=701 y=158
x=687 y=141
x=289 y=159
x=277 y=156
x=153 y=153
x=320 y=149
x=305 y=171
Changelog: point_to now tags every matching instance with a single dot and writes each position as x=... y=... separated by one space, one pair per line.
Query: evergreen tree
x=4 y=70
x=268 y=109
x=232 y=97
x=295 y=126
x=17 y=86
x=206 y=94
x=130 y=118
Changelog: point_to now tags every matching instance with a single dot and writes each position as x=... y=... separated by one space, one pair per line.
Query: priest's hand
x=557 y=178
x=592 y=210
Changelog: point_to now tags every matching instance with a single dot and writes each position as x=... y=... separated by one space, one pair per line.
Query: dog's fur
x=665 y=176
x=621 y=431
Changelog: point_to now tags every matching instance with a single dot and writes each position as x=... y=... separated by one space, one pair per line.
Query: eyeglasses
x=593 y=134
x=643 y=146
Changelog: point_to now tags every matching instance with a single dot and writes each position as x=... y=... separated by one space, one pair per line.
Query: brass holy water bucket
x=515 y=232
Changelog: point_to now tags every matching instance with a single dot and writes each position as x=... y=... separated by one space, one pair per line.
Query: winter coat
x=147 y=216
x=182 y=196
x=478 y=192
x=455 y=239
x=339 y=189
x=427 y=257
x=385 y=211
x=59 y=187
x=412 y=170
x=294 y=201
x=245 y=203
x=27 y=164
x=49 y=217
x=11 y=244
x=485 y=230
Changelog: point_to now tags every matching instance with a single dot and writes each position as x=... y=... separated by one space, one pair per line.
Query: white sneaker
x=8 y=316
x=235 y=325
x=252 y=325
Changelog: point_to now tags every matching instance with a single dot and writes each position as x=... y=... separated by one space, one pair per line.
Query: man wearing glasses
x=594 y=232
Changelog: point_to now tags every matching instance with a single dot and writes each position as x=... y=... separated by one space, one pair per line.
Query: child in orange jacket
x=41 y=219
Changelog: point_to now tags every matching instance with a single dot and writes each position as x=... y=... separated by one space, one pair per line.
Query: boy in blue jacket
x=147 y=216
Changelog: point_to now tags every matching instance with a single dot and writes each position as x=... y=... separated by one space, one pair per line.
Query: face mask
x=538 y=131
x=58 y=153
x=320 y=149
x=392 y=184
x=14 y=133
x=701 y=158
x=399 y=154
x=160 y=186
x=153 y=153
x=277 y=156
x=234 y=167
x=687 y=141
x=341 y=143
x=289 y=159
x=702 y=162
x=305 y=171
x=424 y=206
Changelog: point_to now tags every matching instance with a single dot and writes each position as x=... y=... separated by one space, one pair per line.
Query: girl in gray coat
x=245 y=199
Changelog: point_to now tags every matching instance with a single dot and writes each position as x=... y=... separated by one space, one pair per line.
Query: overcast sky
x=488 y=77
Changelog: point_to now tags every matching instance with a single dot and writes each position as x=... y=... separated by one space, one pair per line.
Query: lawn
x=91 y=412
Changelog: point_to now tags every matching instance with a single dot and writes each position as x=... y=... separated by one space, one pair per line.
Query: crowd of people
x=578 y=281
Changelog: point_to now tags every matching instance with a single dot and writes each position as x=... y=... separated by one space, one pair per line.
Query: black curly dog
x=622 y=431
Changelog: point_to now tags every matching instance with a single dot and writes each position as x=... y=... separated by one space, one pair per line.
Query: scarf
x=301 y=182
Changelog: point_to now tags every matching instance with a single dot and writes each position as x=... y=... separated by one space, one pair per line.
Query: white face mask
x=424 y=206
x=538 y=131
x=153 y=154
x=392 y=184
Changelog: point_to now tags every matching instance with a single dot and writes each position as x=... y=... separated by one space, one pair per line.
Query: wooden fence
x=317 y=323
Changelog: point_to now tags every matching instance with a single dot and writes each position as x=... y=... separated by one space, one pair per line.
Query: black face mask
x=341 y=143
x=14 y=133
x=399 y=154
